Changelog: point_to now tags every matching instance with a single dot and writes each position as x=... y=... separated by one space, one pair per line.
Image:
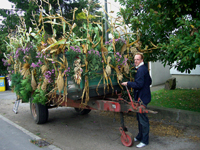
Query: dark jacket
x=141 y=85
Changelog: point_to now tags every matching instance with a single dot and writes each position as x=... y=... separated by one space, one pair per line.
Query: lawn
x=185 y=99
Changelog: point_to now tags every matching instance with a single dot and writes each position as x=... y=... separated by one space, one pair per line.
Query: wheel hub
x=33 y=109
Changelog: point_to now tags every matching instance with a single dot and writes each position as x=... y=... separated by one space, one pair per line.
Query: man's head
x=138 y=58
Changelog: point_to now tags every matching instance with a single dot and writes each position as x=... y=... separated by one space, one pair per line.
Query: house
x=187 y=80
x=160 y=74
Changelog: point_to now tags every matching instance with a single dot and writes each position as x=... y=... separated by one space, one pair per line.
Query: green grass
x=185 y=99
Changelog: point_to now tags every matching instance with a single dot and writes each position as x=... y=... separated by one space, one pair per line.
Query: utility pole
x=106 y=24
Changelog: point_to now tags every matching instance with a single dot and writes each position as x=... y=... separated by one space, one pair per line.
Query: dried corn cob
x=77 y=71
x=108 y=68
x=60 y=81
x=44 y=69
x=126 y=66
x=44 y=84
x=33 y=82
x=133 y=50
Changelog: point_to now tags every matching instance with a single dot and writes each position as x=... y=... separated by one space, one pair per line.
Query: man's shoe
x=135 y=140
x=140 y=145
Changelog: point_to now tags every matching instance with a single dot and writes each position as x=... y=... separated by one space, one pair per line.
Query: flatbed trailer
x=108 y=103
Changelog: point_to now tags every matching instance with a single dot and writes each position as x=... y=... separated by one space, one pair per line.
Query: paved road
x=67 y=130
x=14 y=137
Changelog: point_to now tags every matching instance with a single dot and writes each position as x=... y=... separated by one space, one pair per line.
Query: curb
x=52 y=147
x=188 y=118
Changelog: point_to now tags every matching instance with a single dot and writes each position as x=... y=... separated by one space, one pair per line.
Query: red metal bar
x=109 y=104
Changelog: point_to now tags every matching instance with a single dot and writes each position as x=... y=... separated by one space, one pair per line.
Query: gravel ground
x=98 y=130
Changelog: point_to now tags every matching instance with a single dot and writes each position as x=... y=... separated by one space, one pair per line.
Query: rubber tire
x=39 y=112
x=130 y=139
x=82 y=111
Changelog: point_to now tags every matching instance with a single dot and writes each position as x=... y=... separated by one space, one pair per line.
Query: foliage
x=184 y=46
x=186 y=99
x=117 y=58
x=8 y=25
x=11 y=19
x=160 y=22
x=94 y=62
x=16 y=83
x=73 y=53
x=26 y=89
x=39 y=96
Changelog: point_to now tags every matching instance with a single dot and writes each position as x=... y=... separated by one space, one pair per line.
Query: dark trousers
x=143 y=126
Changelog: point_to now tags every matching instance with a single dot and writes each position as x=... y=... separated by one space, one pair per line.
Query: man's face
x=137 y=60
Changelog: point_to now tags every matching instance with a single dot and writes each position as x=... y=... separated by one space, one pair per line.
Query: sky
x=5 y=4
x=111 y=5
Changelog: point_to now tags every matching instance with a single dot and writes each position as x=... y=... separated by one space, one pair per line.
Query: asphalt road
x=13 y=137
x=68 y=130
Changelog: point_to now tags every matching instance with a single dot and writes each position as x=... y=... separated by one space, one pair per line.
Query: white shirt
x=142 y=63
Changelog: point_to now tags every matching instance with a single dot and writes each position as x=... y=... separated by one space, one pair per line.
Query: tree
x=65 y=6
x=173 y=25
x=7 y=26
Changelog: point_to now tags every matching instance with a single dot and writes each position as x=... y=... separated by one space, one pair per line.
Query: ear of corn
x=126 y=68
x=44 y=69
x=108 y=68
x=60 y=82
x=33 y=82
x=119 y=74
x=123 y=49
x=77 y=71
x=133 y=50
x=39 y=85
x=25 y=71
x=44 y=84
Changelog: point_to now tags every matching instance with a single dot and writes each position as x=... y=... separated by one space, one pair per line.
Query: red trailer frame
x=110 y=104
x=118 y=104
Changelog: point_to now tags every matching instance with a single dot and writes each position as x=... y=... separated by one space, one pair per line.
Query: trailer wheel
x=82 y=111
x=39 y=112
x=127 y=139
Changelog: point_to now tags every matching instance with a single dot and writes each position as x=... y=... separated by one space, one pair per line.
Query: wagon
x=104 y=99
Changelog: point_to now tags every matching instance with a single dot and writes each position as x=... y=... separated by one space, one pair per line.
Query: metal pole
x=106 y=24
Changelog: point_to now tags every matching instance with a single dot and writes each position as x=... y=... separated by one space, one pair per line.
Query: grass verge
x=185 y=99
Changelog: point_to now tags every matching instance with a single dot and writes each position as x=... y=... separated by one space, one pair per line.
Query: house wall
x=187 y=80
x=158 y=73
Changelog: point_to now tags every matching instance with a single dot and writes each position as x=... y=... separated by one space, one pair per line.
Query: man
x=141 y=87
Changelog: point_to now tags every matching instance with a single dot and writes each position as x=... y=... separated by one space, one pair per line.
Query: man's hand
x=124 y=83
